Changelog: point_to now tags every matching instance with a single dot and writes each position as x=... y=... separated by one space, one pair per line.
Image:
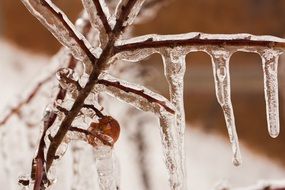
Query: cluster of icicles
x=174 y=69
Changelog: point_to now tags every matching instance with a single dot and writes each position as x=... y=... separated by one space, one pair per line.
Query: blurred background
x=260 y=17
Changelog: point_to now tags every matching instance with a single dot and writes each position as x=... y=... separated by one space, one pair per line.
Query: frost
x=220 y=61
x=270 y=59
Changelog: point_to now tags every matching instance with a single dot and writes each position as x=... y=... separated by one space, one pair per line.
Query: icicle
x=174 y=70
x=270 y=63
x=220 y=62
x=170 y=149
x=106 y=167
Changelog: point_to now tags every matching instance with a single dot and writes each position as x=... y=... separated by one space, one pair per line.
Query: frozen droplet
x=220 y=62
x=270 y=59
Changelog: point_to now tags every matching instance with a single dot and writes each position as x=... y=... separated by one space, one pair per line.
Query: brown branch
x=137 y=92
x=198 y=40
x=102 y=16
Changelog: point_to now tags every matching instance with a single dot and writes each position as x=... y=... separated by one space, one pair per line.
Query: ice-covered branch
x=136 y=95
x=126 y=12
x=99 y=14
x=61 y=27
x=198 y=42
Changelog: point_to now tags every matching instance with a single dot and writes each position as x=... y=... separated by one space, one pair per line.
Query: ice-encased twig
x=133 y=11
x=197 y=41
x=174 y=70
x=99 y=17
x=133 y=94
x=105 y=165
x=220 y=62
x=61 y=27
x=270 y=59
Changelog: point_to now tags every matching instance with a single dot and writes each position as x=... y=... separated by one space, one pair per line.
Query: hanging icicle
x=220 y=62
x=174 y=70
x=270 y=59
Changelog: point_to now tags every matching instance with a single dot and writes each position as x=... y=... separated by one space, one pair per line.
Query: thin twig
x=102 y=16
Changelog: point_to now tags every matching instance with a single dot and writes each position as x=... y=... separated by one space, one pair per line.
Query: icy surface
x=220 y=63
x=106 y=169
x=95 y=19
x=270 y=59
x=134 y=11
x=64 y=32
x=133 y=99
x=174 y=70
x=170 y=149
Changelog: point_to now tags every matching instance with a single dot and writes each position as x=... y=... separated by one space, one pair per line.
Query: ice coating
x=220 y=62
x=151 y=102
x=170 y=150
x=60 y=26
x=105 y=165
x=270 y=59
x=95 y=19
x=133 y=13
x=174 y=70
